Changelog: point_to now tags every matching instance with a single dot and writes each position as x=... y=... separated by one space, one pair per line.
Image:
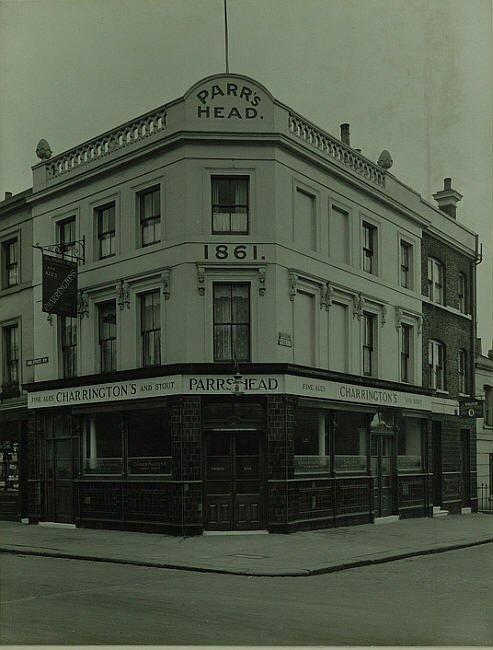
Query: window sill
x=447 y=308
x=441 y=392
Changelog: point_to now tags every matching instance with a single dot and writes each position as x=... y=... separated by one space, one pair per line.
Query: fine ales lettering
x=228 y=90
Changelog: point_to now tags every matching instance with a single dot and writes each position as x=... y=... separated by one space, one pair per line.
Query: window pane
x=149 y=433
x=222 y=342
x=102 y=443
x=240 y=304
x=230 y=204
x=222 y=303
x=241 y=342
x=350 y=441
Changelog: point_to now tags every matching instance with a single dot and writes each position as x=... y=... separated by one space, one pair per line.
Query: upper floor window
x=229 y=205
x=436 y=364
x=405 y=265
x=488 y=405
x=462 y=370
x=150 y=216
x=11 y=356
x=150 y=328
x=106 y=230
x=231 y=322
x=107 y=336
x=406 y=336
x=461 y=292
x=68 y=343
x=10 y=263
x=435 y=281
x=369 y=248
x=369 y=344
x=66 y=236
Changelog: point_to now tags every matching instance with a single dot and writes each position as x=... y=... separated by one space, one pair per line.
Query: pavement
x=254 y=554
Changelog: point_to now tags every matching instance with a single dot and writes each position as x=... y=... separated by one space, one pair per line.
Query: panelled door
x=233 y=480
x=61 y=455
x=383 y=468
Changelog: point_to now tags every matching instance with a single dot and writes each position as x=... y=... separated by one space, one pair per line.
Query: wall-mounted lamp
x=238 y=387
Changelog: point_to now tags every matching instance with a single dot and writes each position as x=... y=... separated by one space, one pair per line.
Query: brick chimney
x=7 y=195
x=479 y=347
x=345 y=134
x=448 y=198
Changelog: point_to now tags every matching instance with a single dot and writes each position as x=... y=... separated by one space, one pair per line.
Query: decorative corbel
x=293 y=281
x=201 y=279
x=358 y=306
x=165 y=282
x=323 y=296
x=329 y=295
x=398 y=318
x=123 y=296
x=82 y=304
x=261 y=281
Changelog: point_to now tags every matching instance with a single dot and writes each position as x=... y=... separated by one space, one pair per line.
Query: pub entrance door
x=61 y=454
x=234 y=491
x=383 y=469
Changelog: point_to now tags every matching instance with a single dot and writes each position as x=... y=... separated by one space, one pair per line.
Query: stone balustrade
x=335 y=149
x=105 y=145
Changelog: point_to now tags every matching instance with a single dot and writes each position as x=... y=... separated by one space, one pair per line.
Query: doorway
x=233 y=480
x=383 y=469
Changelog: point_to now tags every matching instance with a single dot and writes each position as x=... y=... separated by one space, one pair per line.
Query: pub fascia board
x=222 y=384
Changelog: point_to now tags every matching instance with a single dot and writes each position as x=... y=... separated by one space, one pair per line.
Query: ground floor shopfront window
x=133 y=443
x=350 y=442
x=409 y=444
x=312 y=441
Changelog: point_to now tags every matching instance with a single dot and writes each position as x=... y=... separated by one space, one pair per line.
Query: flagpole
x=226 y=36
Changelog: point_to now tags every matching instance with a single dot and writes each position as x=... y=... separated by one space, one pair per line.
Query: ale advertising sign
x=59 y=286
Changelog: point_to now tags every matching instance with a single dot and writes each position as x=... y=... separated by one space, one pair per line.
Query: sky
x=410 y=76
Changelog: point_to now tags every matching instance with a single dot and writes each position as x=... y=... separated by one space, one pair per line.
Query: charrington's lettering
x=78 y=394
x=223 y=112
x=369 y=394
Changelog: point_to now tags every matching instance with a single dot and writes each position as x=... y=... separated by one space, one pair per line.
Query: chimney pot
x=345 y=134
x=8 y=195
x=447 y=183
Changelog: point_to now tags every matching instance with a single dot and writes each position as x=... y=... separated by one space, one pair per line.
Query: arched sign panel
x=229 y=103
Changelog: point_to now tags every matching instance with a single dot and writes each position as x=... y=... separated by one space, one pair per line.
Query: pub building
x=253 y=346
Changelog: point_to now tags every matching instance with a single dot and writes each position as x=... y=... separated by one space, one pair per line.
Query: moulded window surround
x=11 y=354
x=436 y=364
x=305 y=216
x=107 y=335
x=435 y=281
x=150 y=328
x=230 y=199
x=10 y=262
x=406 y=343
x=406 y=264
x=339 y=233
x=369 y=247
x=231 y=321
x=66 y=235
x=68 y=345
x=369 y=322
x=149 y=201
x=106 y=230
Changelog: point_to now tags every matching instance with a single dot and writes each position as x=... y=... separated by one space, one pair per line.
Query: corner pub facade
x=251 y=348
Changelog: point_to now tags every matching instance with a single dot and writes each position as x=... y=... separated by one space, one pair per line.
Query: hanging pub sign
x=59 y=286
x=471 y=408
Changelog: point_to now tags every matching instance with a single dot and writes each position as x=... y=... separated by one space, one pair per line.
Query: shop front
x=284 y=453
x=12 y=464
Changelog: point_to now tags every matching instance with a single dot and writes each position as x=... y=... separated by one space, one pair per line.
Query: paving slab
x=297 y=554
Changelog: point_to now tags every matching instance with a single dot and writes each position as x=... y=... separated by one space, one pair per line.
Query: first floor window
x=11 y=355
x=68 y=340
x=405 y=353
x=231 y=322
x=150 y=320
x=106 y=230
x=461 y=291
x=229 y=204
x=462 y=370
x=66 y=236
x=368 y=344
x=405 y=270
x=10 y=263
x=107 y=336
x=311 y=441
x=436 y=364
x=150 y=216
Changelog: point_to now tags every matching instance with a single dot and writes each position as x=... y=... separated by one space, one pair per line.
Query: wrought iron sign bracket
x=78 y=245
